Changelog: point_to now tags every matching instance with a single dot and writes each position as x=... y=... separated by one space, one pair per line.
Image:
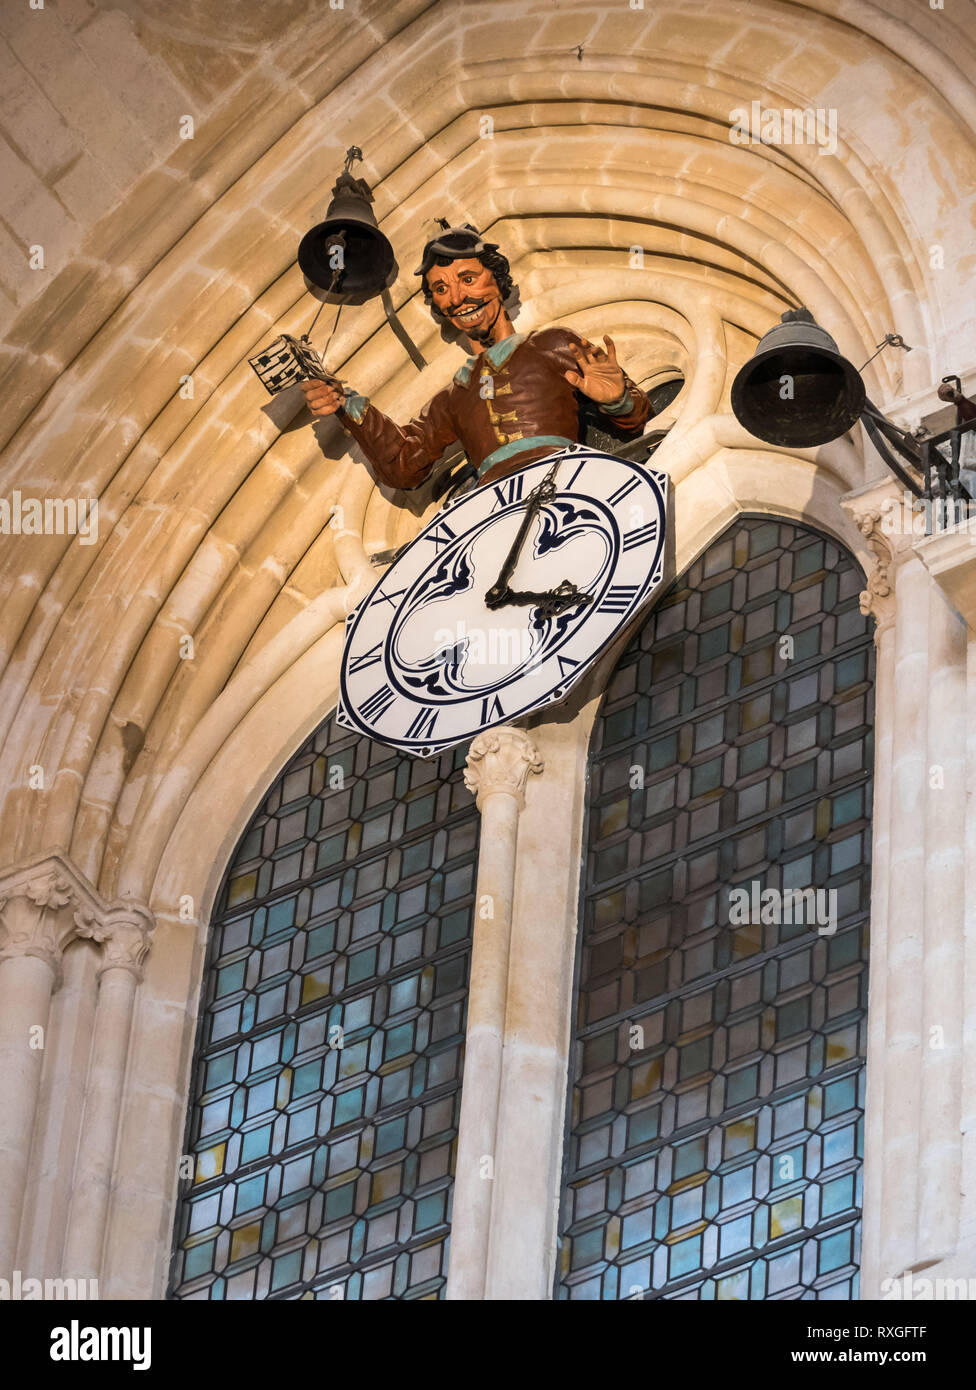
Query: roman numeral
x=390 y=598
x=491 y=708
x=568 y=663
x=641 y=536
x=423 y=725
x=509 y=490
x=378 y=703
x=369 y=658
x=619 y=598
x=624 y=490
x=576 y=474
x=439 y=540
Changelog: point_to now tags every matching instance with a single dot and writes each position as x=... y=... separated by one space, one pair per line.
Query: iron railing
x=949 y=463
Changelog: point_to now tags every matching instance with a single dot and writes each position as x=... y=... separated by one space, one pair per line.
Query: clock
x=503 y=600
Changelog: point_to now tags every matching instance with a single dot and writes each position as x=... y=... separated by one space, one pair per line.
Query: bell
x=346 y=259
x=797 y=390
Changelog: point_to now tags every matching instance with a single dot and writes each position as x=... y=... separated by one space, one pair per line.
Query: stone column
x=60 y=1104
x=523 y=1243
x=878 y=601
x=41 y=907
x=903 y=960
x=943 y=936
x=125 y=934
x=918 y=1062
x=967 y=1208
x=947 y=1214
x=499 y=762
x=897 y=595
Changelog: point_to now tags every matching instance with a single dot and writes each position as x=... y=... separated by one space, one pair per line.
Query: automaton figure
x=516 y=399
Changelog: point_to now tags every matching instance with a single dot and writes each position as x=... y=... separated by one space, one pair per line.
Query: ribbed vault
x=215 y=510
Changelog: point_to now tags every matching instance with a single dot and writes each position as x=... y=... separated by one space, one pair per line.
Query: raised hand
x=599 y=375
x=322 y=398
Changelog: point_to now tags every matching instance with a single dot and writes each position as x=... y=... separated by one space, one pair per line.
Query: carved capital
x=42 y=904
x=47 y=902
x=500 y=760
x=124 y=932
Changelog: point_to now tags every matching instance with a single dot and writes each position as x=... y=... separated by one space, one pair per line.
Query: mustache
x=468 y=304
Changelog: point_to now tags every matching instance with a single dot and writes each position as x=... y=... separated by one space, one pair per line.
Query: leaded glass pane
x=715 y=1135
x=327 y=1082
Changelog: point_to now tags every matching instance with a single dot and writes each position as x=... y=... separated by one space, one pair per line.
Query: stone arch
x=183 y=493
x=214 y=514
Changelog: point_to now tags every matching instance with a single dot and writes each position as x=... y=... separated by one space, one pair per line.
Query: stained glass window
x=717 y=1091
x=327 y=1077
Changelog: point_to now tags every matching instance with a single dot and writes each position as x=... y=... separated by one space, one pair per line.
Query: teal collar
x=497 y=354
x=519 y=446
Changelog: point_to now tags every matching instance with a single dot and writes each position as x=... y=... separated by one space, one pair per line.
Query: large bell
x=797 y=390
x=346 y=259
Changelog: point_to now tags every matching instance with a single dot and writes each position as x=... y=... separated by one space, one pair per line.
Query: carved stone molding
x=877 y=599
x=884 y=518
x=500 y=760
x=46 y=902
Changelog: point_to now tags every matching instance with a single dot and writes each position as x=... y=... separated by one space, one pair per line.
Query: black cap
x=457 y=244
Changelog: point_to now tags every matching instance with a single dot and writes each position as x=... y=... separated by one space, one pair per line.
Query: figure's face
x=467 y=294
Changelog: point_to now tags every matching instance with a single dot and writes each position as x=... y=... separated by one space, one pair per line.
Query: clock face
x=427 y=664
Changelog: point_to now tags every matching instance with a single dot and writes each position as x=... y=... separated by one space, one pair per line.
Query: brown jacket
x=528 y=399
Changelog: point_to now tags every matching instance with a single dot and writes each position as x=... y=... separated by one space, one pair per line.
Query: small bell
x=796 y=390
x=346 y=259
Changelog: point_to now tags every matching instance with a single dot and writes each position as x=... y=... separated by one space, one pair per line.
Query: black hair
x=491 y=260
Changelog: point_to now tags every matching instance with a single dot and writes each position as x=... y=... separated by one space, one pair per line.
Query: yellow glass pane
x=316 y=987
x=245 y=1241
x=784 y=1216
x=239 y=890
x=210 y=1163
x=284 y=1088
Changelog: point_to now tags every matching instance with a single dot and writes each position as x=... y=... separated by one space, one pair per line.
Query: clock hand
x=553 y=601
x=496 y=595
